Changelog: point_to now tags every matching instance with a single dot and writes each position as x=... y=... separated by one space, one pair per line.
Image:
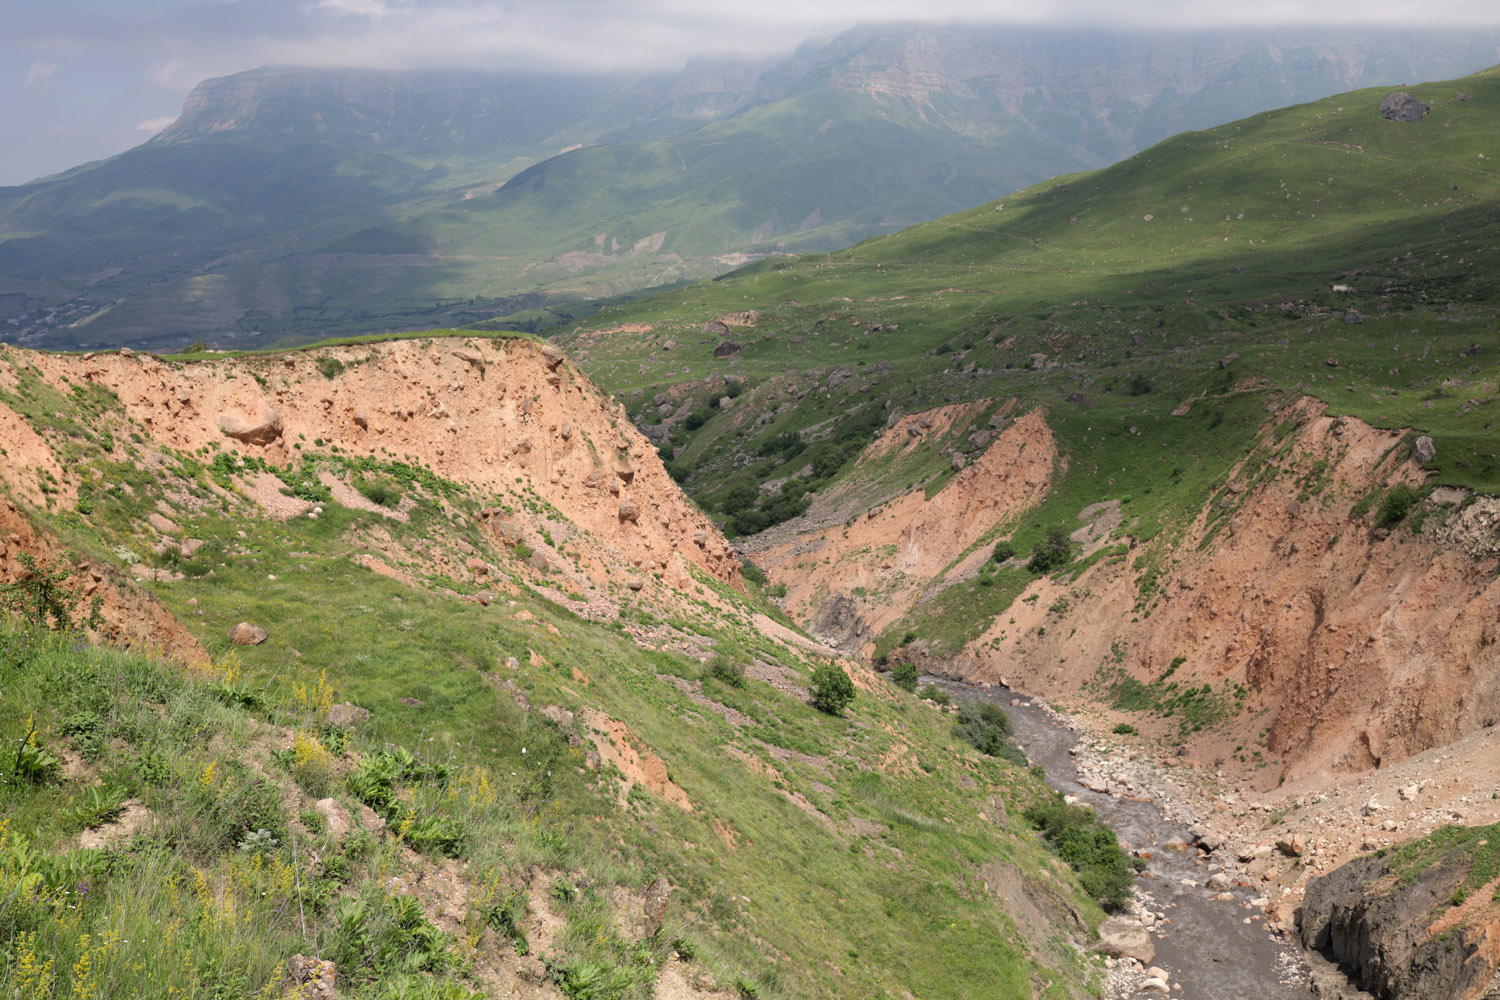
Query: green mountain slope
x=1111 y=298
x=303 y=203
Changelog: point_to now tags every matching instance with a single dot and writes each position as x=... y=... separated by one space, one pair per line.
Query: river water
x=1212 y=949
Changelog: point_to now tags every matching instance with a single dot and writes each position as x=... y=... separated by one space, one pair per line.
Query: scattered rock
x=258 y=432
x=1409 y=793
x=311 y=978
x=245 y=634
x=1292 y=845
x=1403 y=106
x=346 y=715
x=162 y=523
x=1124 y=937
x=635 y=583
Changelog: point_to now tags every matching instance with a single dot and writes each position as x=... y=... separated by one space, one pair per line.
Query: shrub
x=933 y=693
x=832 y=690
x=330 y=367
x=904 y=676
x=1052 y=553
x=1124 y=729
x=731 y=672
x=1396 y=505
x=1003 y=551
x=753 y=573
x=985 y=726
x=378 y=491
x=1089 y=847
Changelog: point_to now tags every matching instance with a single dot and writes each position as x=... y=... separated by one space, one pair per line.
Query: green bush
x=753 y=573
x=935 y=694
x=731 y=672
x=378 y=491
x=330 y=367
x=1052 y=553
x=904 y=676
x=985 y=726
x=1124 y=729
x=1003 y=551
x=1089 y=847
x=1396 y=505
x=832 y=690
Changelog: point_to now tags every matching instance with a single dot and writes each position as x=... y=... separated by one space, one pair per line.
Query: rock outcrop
x=1412 y=924
x=1403 y=106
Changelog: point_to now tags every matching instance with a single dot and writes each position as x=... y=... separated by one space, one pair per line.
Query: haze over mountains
x=296 y=203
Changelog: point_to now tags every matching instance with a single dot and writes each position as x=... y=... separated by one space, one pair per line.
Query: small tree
x=904 y=676
x=832 y=690
x=43 y=598
x=1052 y=553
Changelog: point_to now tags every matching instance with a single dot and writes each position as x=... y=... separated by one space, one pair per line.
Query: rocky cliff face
x=1411 y=923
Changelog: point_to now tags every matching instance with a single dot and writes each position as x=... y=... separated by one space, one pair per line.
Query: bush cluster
x=1090 y=848
x=985 y=726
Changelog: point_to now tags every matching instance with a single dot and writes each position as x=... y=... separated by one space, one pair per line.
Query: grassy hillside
x=809 y=854
x=1126 y=289
x=308 y=203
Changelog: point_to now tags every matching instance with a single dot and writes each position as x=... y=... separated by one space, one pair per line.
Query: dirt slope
x=508 y=419
x=1358 y=647
x=849 y=580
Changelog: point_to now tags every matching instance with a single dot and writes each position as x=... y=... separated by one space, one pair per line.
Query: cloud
x=39 y=77
x=154 y=125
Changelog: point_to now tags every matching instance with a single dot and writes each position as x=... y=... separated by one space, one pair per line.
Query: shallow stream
x=1212 y=949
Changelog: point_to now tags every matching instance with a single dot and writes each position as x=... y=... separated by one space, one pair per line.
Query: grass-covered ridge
x=1121 y=292
x=821 y=855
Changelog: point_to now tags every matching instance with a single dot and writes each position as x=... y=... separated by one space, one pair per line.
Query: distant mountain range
x=286 y=204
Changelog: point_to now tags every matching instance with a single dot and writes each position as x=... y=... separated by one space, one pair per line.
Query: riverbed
x=1212 y=948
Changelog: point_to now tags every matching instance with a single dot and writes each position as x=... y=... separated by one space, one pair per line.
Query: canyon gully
x=1212 y=948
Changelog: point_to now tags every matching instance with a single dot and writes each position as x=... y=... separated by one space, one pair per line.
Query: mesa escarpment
x=570 y=491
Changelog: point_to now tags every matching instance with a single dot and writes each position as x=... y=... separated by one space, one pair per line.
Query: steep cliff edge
x=572 y=499
x=1419 y=923
x=1321 y=608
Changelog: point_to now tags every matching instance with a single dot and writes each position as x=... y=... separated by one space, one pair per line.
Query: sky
x=85 y=79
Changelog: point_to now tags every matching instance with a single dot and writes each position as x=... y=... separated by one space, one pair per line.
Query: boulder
x=1402 y=106
x=310 y=978
x=245 y=634
x=630 y=511
x=1423 y=450
x=840 y=376
x=552 y=356
x=346 y=715
x=258 y=432
x=654 y=904
x=726 y=348
x=1125 y=937
x=336 y=816
x=470 y=357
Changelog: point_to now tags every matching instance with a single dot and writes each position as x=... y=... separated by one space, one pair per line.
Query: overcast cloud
x=83 y=79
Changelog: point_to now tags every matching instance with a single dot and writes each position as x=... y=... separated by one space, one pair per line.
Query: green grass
x=432 y=669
